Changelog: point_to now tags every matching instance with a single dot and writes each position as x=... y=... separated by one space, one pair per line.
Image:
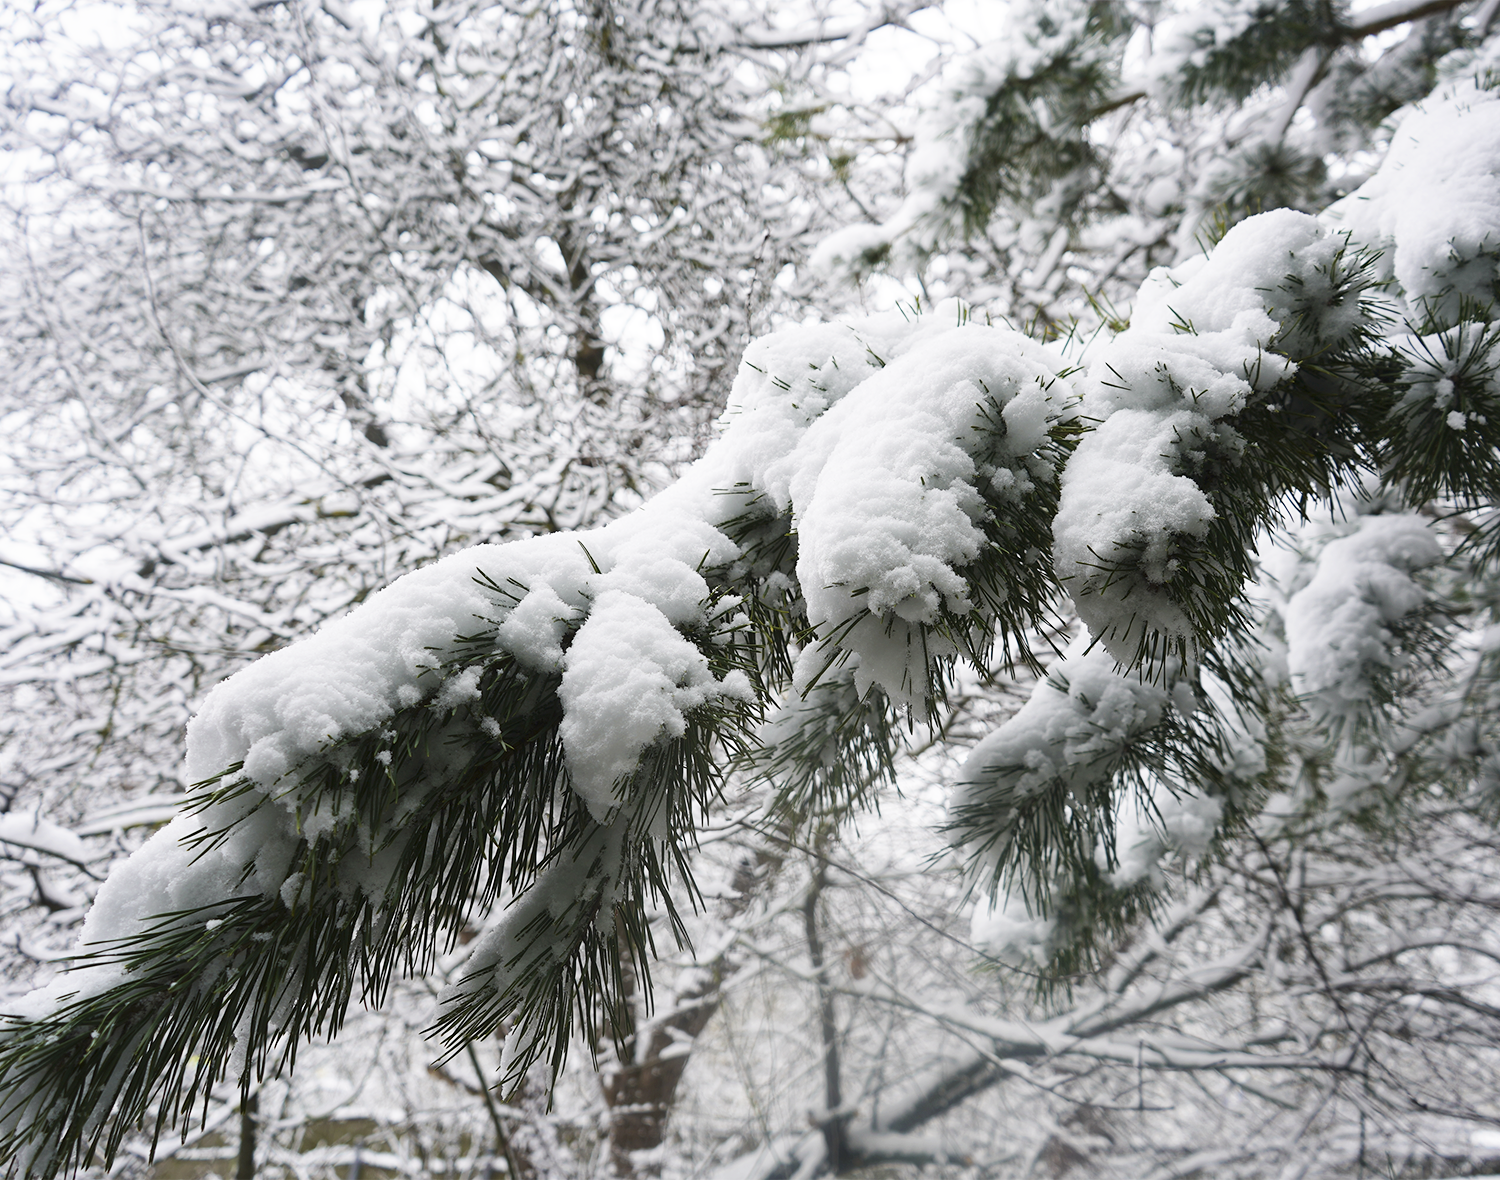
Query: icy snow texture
x=1070 y=734
x=1194 y=355
x=1431 y=208
x=1338 y=627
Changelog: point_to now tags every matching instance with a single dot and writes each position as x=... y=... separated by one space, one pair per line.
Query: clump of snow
x=1433 y=207
x=1165 y=391
x=630 y=677
x=533 y=631
x=1446 y=370
x=887 y=440
x=354 y=673
x=851 y=250
x=459 y=689
x=1184 y=822
x=1003 y=927
x=888 y=497
x=1339 y=627
x=785 y=381
x=1072 y=732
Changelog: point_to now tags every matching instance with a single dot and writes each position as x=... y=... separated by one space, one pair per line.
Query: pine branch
x=542 y=727
x=1234 y=442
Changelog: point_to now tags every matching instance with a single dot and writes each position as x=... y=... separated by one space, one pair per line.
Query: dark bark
x=640 y=1093
x=244 y=1168
x=834 y=1122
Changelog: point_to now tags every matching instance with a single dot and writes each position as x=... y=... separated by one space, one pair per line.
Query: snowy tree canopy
x=530 y=733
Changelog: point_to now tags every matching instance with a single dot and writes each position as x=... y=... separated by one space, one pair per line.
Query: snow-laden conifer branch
x=1355 y=630
x=1288 y=362
x=1235 y=386
x=1226 y=48
x=540 y=727
x=1065 y=810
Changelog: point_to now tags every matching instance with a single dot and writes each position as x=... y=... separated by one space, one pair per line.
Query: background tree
x=1348 y=368
x=304 y=295
x=1082 y=145
x=301 y=297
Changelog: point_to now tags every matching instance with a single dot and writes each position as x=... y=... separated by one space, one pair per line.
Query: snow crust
x=1430 y=208
x=1196 y=353
x=1339 y=627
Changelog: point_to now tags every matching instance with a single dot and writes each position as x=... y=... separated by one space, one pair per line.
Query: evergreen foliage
x=527 y=737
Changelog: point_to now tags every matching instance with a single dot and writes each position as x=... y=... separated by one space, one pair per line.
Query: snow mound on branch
x=887 y=441
x=1433 y=207
x=887 y=493
x=788 y=379
x=630 y=678
x=355 y=673
x=1196 y=354
x=1070 y=735
x=853 y=250
x=36 y=834
x=169 y=874
x=1339 y=627
x=347 y=678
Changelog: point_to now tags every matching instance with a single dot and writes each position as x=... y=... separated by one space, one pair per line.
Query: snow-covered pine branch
x=543 y=723
x=526 y=736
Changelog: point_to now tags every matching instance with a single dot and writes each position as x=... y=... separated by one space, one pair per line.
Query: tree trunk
x=244 y=1168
